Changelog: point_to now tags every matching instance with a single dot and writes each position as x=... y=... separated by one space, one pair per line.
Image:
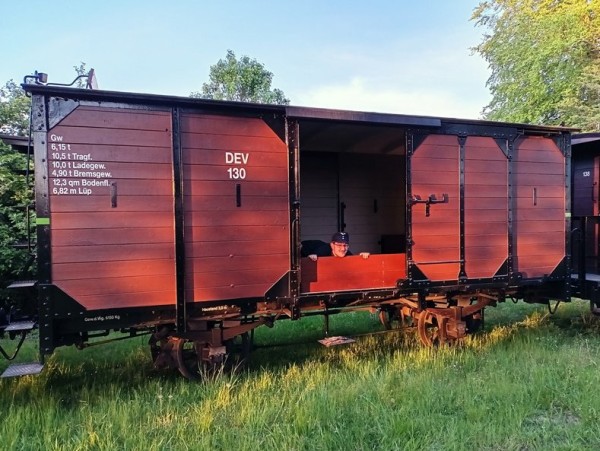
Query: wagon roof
x=299 y=112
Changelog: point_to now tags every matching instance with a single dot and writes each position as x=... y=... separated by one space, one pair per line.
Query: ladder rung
x=23 y=369
x=17 y=326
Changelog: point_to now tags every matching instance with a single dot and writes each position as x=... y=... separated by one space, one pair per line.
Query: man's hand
x=364 y=255
x=313 y=257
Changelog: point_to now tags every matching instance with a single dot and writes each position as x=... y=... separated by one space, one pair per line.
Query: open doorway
x=353 y=179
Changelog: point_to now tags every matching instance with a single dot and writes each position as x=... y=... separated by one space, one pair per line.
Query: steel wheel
x=188 y=355
x=431 y=329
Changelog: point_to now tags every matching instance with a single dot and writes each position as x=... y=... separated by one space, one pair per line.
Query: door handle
x=432 y=199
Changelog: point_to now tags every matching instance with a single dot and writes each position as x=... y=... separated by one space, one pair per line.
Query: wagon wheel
x=431 y=329
x=188 y=355
x=391 y=319
x=161 y=349
x=385 y=319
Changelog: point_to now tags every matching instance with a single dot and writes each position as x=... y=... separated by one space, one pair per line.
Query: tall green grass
x=527 y=382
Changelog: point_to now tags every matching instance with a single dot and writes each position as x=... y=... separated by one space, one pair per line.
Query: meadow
x=528 y=381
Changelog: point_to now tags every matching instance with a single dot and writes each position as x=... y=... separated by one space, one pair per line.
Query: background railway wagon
x=189 y=213
x=586 y=214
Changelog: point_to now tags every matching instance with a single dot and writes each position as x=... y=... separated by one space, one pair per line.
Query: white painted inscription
x=73 y=173
x=238 y=159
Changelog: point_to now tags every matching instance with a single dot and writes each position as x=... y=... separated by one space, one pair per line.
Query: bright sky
x=396 y=56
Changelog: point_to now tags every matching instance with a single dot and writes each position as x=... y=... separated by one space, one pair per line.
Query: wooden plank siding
x=486 y=207
x=236 y=246
x=106 y=256
x=352 y=272
x=539 y=218
x=436 y=238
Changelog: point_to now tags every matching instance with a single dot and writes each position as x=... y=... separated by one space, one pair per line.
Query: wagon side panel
x=486 y=207
x=539 y=228
x=236 y=200
x=111 y=207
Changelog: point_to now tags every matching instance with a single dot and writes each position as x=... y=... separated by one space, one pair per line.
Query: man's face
x=339 y=249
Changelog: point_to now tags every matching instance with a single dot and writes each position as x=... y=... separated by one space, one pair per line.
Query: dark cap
x=340 y=237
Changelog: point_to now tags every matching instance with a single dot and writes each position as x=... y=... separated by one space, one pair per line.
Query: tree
x=14 y=110
x=541 y=54
x=244 y=80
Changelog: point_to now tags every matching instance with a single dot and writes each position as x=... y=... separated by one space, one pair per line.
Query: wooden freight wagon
x=586 y=217
x=185 y=218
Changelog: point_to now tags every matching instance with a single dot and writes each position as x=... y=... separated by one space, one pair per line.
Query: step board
x=23 y=284
x=18 y=326
x=22 y=369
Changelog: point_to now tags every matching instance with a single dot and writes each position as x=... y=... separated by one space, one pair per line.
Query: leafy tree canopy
x=14 y=110
x=244 y=80
x=544 y=57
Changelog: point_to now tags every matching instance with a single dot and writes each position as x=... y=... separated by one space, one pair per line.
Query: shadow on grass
x=125 y=368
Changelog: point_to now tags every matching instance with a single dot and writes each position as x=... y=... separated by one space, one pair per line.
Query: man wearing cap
x=338 y=247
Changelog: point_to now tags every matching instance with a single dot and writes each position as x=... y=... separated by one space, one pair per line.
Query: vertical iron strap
x=180 y=276
x=462 y=275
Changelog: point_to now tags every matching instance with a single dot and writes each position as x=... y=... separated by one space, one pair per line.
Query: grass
x=527 y=382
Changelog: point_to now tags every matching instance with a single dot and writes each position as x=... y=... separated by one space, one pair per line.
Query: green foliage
x=15 y=195
x=244 y=80
x=14 y=110
x=541 y=54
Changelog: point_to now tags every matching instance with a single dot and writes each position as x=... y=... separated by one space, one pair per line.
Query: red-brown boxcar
x=184 y=218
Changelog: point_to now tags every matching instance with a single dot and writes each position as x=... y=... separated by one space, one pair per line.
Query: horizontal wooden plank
x=262 y=174
x=223 y=125
x=61 y=204
x=440 y=254
x=262 y=278
x=261 y=263
x=126 y=154
x=113 y=253
x=424 y=177
x=556 y=191
x=490 y=240
x=483 y=268
x=497 y=253
x=250 y=188
x=228 y=157
x=205 y=294
x=92 y=237
x=129 y=300
x=438 y=272
x=115 y=171
x=73 y=271
x=112 y=219
x=477 y=190
x=108 y=136
x=247 y=202
x=192 y=143
x=234 y=232
x=496 y=169
x=549 y=168
x=238 y=248
x=240 y=218
x=434 y=228
x=474 y=204
x=539 y=180
x=118 y=118
x=378 y=271
x=484 y=228
x=547 y=226
x=119 y=285
x=529 y=213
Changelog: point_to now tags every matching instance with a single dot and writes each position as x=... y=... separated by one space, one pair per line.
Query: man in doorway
x=338 y=247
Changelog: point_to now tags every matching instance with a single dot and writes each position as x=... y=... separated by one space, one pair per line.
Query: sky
x=393 y=56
